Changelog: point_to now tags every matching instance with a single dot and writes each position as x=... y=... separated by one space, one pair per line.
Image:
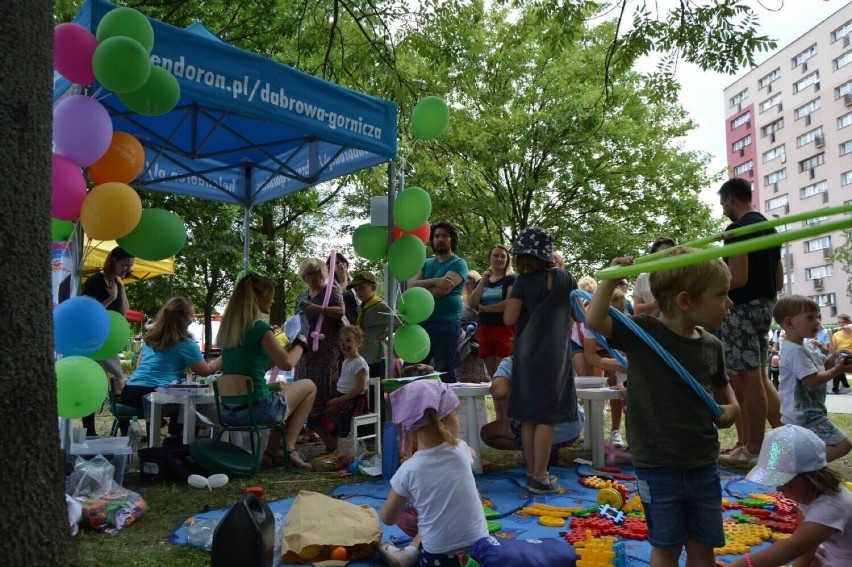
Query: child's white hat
x=786 y=452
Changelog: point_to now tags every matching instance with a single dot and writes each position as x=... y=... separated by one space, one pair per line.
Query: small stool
x=593 y=431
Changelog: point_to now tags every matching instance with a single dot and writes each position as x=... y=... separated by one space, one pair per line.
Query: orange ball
x=339 y=553
x=122 y=161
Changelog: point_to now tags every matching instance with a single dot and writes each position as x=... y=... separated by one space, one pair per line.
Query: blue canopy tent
x=246 y=129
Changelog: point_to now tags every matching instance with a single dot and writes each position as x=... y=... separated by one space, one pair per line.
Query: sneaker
x=537 y=487
x=616 y=439
x=740 y=457
x=730 y=450
x=844 y=390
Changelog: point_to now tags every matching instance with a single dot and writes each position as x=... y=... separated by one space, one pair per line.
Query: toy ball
x=471 y=328
x=338 y=553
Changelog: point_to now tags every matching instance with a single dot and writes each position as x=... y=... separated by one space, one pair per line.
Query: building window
x=843 y=89
x=824 y=299
x=808 y=108
x=767 y=80
x=770 y=103
x=844 y=121
x=777 y=202
x=740 y=120
x=807 y=81
x=820 y=243
x=741 y=143
x=812 y=162
x=743 y=168
x=775 y=152
x=804 y=56
x=815 y=220
x=809 y=137
x=843 y=60
x=739 y=97
x=773 y=127
x=846 y=147
x=775 y=177
x=814 y=189
x=846 y=178
x=818 y=272
x=842 y=31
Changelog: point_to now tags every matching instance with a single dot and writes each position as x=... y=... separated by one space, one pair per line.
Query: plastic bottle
x=135 y=432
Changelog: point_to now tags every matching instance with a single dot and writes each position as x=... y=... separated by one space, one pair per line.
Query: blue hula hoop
x=578 y=294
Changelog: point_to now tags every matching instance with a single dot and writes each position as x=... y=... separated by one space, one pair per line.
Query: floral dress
x=318 y=365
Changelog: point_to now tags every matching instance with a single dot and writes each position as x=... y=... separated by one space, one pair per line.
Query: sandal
x=270 y=460
x=296 y=459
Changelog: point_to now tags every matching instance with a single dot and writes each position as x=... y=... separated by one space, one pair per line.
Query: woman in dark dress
x=107 y=287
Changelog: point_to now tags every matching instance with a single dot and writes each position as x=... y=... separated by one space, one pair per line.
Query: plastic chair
x=120 y=412
x=217 y=456
x=373 y=415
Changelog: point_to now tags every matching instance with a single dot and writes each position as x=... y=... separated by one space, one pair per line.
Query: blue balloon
x=80 y=326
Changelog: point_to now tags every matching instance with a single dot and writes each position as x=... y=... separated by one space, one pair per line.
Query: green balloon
x=121 y=64
x=119 y=333
x=370 y=242
x=127 y=22
x=406 y=256
x=411 y=343
x=81 y=386
x=158 y=235
x=429 y=118
x=61 y=230
x=416 y=304
x=158 y=95
x=412 y=208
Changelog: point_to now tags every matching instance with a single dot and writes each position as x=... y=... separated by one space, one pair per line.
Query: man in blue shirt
x=443 y=275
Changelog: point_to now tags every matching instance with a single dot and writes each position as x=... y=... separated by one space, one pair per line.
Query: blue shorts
x=575 y=348
x=827 y=431
x=682 y=505
x=271 y=410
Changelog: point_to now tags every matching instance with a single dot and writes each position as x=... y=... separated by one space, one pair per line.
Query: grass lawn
x=147 y=541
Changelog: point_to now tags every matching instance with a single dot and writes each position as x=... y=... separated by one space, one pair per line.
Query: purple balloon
x=69 y=188
x=82 y=129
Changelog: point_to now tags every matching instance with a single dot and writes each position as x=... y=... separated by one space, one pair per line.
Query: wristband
x=747 y=558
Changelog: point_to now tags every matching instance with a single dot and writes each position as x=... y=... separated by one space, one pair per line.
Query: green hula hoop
x=749 y=229
x=735 y=249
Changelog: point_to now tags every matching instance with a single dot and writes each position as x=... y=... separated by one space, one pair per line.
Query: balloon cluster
x=83 y=137
x=407 y=252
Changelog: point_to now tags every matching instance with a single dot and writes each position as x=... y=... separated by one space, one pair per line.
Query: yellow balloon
x=110 y=210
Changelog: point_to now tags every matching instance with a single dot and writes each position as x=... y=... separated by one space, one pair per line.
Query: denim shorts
x=682 y=505
x=271 y=410
x=827 y=431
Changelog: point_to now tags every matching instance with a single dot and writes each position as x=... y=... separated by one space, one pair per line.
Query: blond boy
x=670 y=428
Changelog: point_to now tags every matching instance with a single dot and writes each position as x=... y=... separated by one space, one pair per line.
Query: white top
x=800 y=404
x=642 y=292
x=349 y=374
x=440 y=485
x=834 y=511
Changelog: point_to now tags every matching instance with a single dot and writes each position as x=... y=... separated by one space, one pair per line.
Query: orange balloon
x=122 y=161
x=110 y=211
x=339 y=553
x=422 y=232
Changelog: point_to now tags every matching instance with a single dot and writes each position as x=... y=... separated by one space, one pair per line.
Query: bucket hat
x=534 y=241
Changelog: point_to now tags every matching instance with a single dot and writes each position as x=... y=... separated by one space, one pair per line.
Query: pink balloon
x=82 y=129
x=69 y=188
x=73 y=49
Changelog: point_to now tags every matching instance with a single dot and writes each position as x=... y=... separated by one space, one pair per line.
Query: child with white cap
x=793 y=459
x=437 y=480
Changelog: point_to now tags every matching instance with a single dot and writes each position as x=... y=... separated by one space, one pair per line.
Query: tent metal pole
x=390 y=287
x=246 y=236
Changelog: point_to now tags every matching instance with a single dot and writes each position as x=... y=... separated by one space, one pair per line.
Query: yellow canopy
x=95 y=253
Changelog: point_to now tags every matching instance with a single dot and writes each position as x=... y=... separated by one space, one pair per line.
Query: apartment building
x=789 y=131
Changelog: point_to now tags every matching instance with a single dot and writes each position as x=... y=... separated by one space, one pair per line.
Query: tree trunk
x=34 y=518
